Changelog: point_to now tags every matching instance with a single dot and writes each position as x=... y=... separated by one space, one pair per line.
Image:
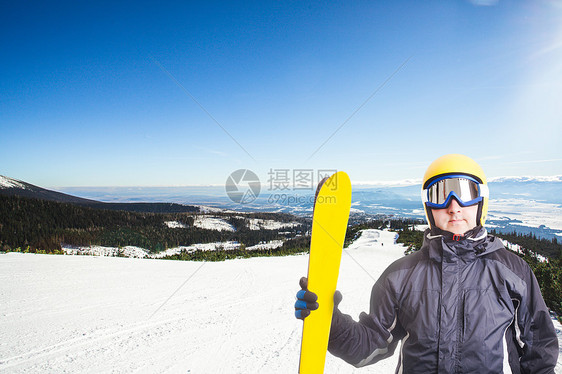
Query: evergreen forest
x=34 y=225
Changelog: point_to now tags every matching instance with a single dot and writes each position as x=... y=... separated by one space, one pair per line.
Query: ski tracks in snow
x=91 y=341
x=232 y=317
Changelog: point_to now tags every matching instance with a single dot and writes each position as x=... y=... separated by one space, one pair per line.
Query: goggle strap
x=424 y=197
x=484 y=190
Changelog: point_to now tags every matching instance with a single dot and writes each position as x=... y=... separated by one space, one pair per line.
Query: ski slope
x=125 y=315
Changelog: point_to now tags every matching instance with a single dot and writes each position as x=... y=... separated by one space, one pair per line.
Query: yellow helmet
x=456 y=165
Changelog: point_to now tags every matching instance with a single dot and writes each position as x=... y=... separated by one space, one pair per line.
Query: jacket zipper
x=460 y=319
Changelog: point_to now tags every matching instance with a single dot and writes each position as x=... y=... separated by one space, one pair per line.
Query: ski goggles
x=466 y=190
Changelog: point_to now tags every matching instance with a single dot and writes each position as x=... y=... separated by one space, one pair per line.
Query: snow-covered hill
x=212 y=223
x=121 y=315
x=6 y=182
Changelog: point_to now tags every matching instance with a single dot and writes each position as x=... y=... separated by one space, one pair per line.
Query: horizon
x=359 y=184
x=521 y=204
x=386 y=183
x=186 y=93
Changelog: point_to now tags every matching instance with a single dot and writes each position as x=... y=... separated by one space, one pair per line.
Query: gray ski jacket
x=456 y=307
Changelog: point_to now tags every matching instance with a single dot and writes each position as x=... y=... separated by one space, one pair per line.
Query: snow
x=530 y=212
x=517 y=248
x=272 y=244
x=108 y=314
x=209 y=209
x=6 y=182
x=98 y=250
x=175 y=225
x=137 y=252
x=212 y=223
x=269 y=224
x=421 y=227
x=196 y=247
x=355 y=210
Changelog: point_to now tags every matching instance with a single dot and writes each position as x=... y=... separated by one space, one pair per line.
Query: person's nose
x=454 y=207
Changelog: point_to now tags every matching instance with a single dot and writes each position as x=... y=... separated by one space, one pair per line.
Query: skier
x=460 y=303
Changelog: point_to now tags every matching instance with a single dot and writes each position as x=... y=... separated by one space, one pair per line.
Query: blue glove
x=306 y=300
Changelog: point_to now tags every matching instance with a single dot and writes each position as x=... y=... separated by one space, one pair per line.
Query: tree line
x=37 y=225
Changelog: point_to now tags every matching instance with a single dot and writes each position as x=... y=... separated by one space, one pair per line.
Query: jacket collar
x=475 y=234
x=443 y=245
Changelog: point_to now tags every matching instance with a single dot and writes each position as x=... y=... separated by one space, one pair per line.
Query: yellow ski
x=329 y=225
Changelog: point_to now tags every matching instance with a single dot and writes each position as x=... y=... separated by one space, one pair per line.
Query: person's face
x=455 y=218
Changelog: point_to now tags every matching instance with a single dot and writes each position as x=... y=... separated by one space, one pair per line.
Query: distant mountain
x=545 y=189
x=552 y=178
x=14 y=187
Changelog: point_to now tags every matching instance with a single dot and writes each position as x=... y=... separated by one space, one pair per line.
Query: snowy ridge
x=6 y=182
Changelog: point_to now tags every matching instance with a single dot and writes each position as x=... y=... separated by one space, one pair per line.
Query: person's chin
x=457 y=227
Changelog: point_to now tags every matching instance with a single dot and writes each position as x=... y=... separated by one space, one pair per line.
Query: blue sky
x=183 y=93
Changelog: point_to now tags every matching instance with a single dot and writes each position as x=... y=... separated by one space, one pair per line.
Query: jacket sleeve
x=534 y=331
x=371 y=339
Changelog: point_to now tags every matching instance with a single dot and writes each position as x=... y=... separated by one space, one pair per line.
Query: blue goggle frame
x=465 y=189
